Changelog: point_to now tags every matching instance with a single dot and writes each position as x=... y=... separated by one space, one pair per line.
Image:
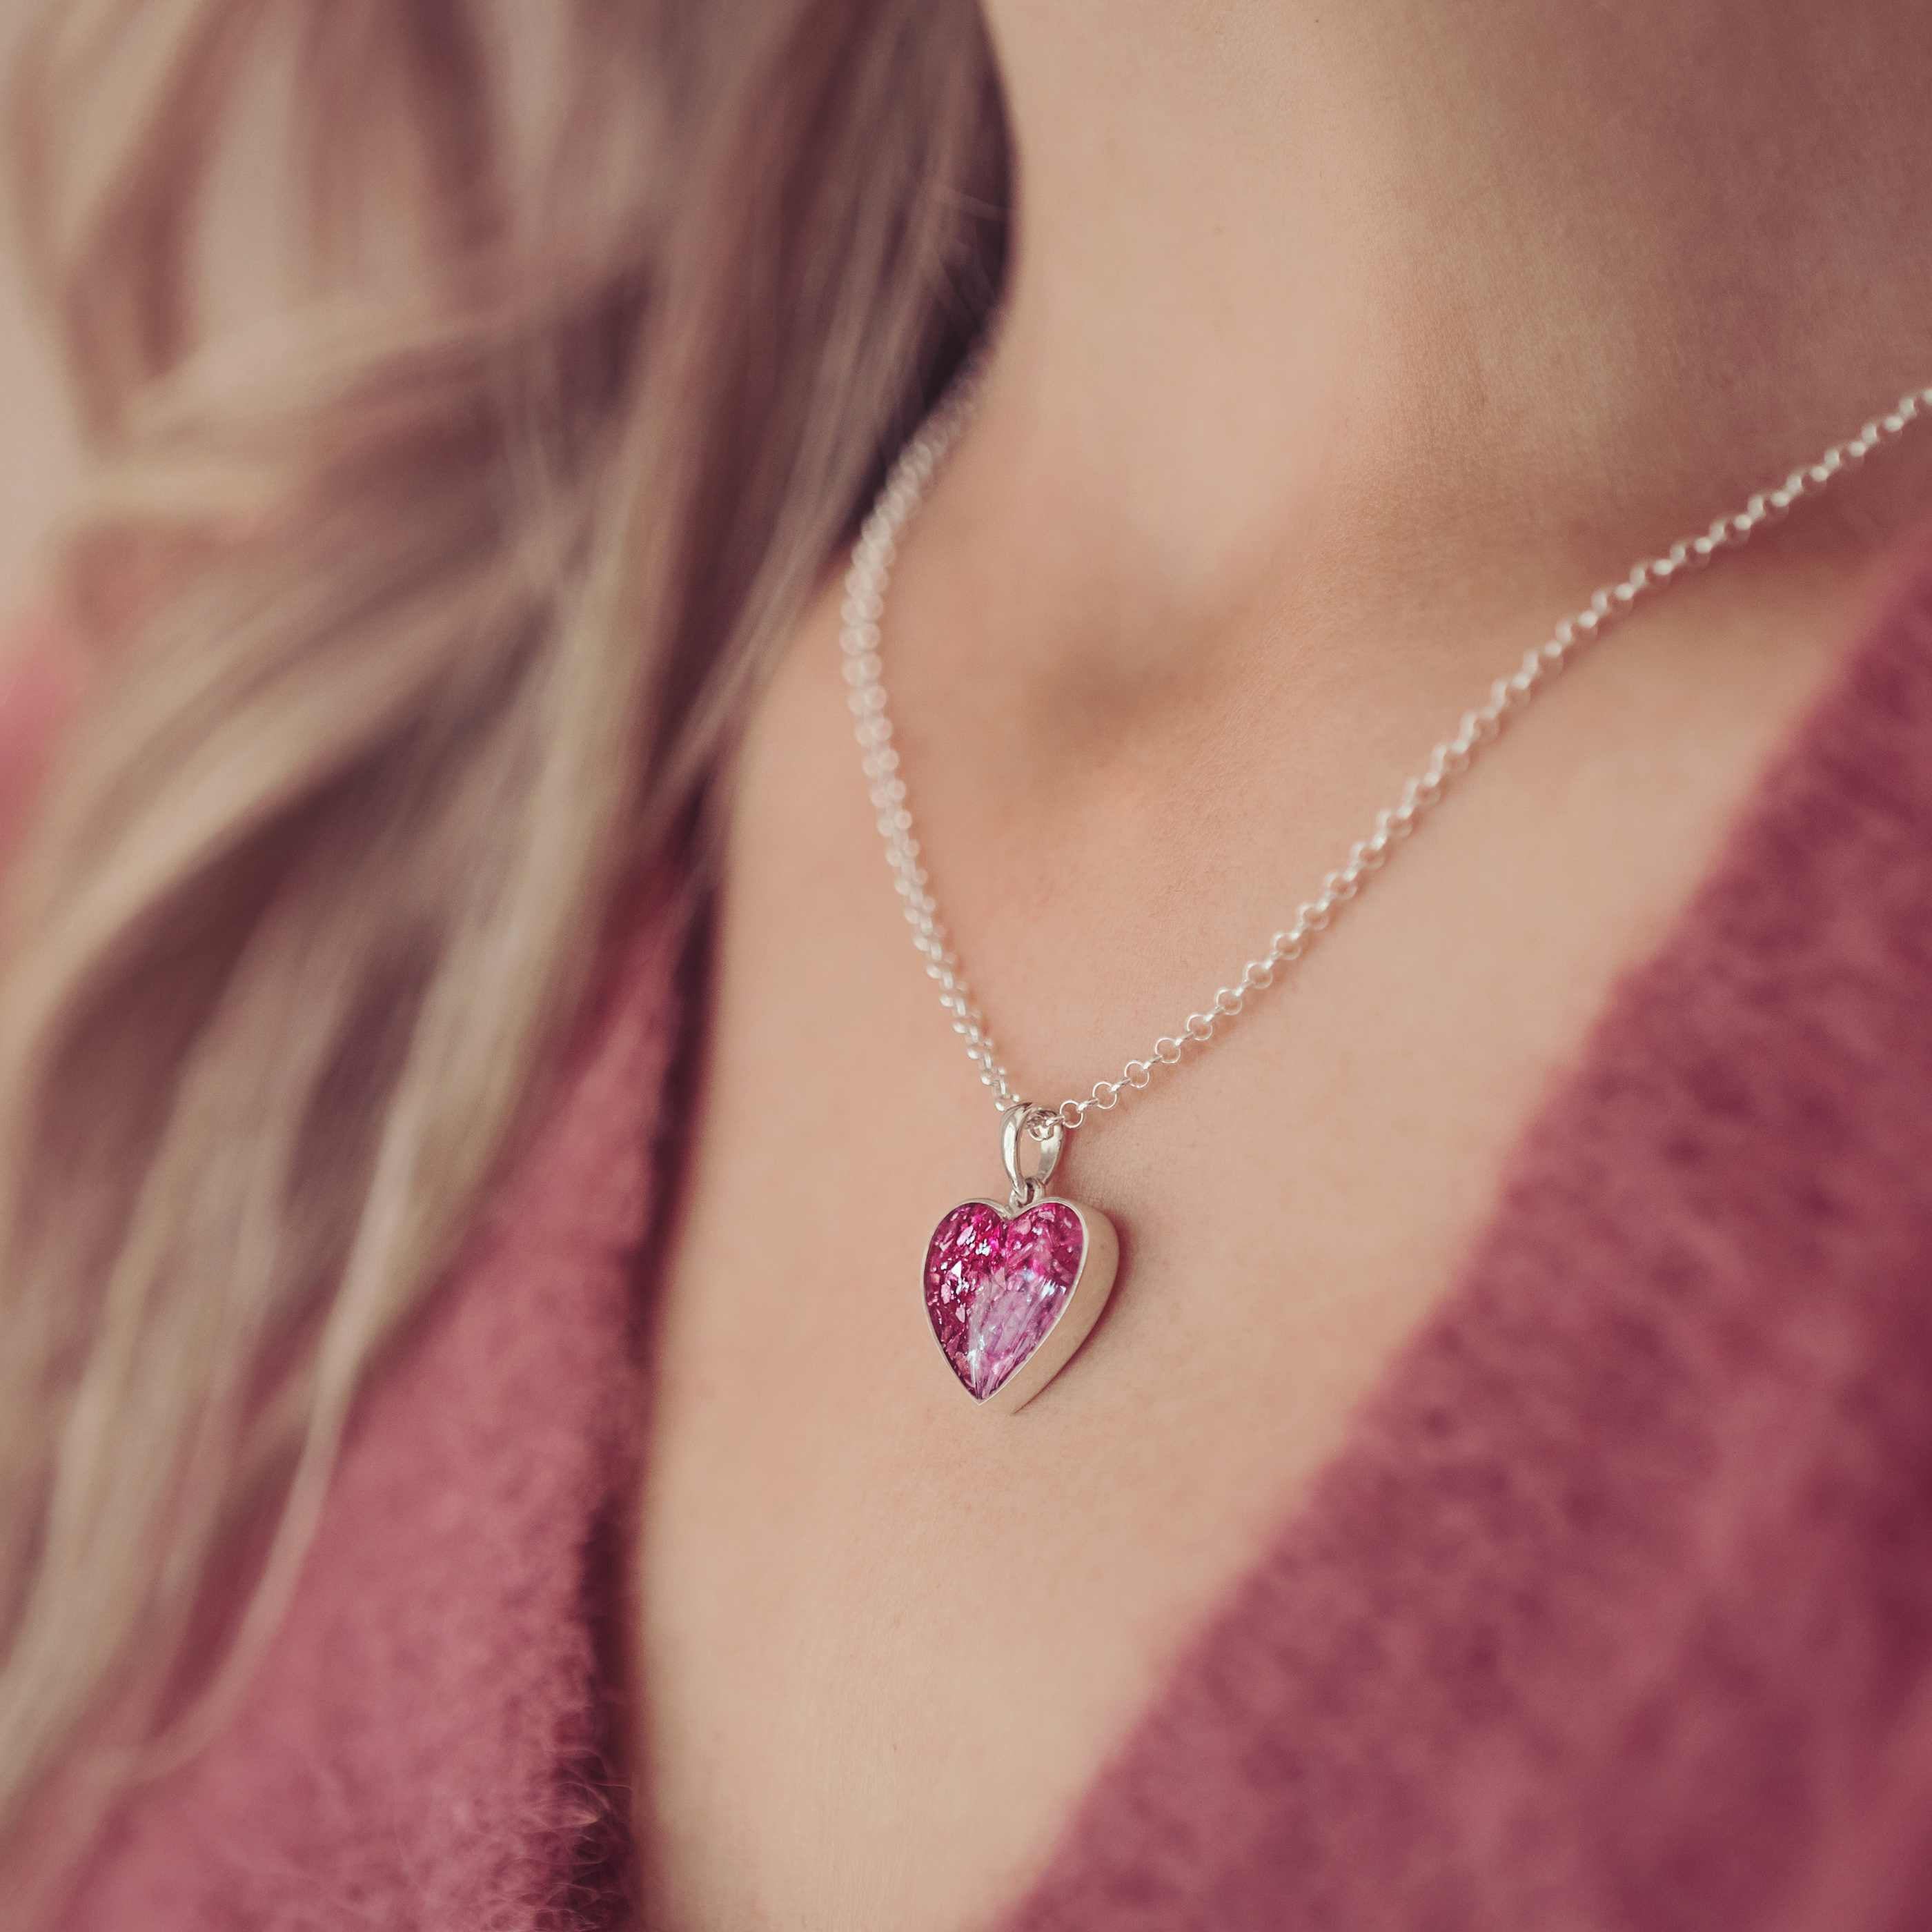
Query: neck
x=1295 y=284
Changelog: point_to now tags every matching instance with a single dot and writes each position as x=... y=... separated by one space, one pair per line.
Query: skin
x=1349 y=347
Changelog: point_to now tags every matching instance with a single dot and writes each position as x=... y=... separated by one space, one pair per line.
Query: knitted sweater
x=1615 y=1610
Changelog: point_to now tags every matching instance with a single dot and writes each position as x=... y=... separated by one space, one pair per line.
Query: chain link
x=863 y=613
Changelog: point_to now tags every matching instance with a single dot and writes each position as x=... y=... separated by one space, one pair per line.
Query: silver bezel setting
x=1092 y=1284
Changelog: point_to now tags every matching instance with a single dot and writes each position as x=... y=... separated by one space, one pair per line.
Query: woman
x=478 y=1453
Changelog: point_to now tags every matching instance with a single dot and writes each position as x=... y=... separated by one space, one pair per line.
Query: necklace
x=1011 y=1290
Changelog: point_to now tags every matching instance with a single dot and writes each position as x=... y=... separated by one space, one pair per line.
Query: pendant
x=1013 y=1291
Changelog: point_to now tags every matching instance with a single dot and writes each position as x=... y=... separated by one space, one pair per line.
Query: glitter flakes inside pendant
x=1012 y=1294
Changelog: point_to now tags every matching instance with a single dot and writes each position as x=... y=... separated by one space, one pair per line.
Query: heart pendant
x=1011 y=1293
x=1010 y=1297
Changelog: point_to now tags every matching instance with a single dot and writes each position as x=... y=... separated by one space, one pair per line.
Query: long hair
x=421 y=597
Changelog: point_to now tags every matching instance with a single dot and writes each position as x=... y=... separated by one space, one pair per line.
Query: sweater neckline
x=1514 y=1220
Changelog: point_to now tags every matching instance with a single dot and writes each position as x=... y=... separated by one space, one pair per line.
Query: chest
x=885 y=1641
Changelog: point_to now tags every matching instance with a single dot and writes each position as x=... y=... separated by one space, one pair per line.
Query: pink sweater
x=1616 y=1611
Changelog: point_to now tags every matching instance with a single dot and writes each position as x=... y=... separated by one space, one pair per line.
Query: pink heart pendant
x=1011 y=1297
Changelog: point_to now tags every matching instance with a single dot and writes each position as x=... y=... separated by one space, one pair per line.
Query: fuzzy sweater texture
x=1616 y=1611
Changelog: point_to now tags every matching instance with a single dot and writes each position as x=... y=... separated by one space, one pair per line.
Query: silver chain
x=863 y=613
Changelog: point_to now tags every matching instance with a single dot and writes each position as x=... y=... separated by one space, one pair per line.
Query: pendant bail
x=1041 y=1129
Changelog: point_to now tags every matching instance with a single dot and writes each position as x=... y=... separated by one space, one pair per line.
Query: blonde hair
x=447 y=586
